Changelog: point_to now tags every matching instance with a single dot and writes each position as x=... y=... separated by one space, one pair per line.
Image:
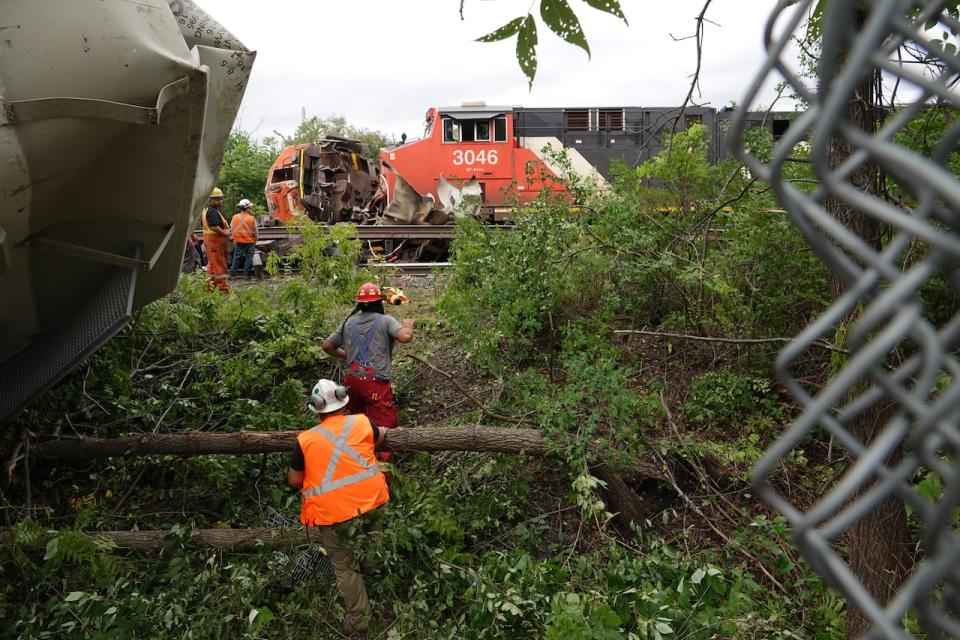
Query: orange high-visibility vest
x=244 y=228
x=341 y=477
x=207 y=231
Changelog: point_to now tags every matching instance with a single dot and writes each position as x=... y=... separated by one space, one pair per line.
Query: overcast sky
x=382 y=63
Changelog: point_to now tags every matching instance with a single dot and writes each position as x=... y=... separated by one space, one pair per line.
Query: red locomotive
x=499 y=155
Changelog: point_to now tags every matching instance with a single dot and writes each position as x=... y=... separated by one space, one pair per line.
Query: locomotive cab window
x=282 y=175
x=475 y=131
x=451 y=130
x=482 y=130
x=500 y=129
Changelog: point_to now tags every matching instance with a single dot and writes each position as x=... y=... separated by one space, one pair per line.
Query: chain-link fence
x=299 y=566
x=900 y=359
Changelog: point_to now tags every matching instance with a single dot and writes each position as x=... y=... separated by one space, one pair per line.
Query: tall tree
x=314 y=128
x=879 y=543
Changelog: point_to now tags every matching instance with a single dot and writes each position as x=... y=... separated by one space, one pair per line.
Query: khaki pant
x=349 y=580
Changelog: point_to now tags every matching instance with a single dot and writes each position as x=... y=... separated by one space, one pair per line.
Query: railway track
x=367 y=232
x=402 y=269
x=273 y=238
x=411 y=268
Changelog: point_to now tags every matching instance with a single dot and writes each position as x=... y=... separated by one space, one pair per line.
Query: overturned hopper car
x=113 y=120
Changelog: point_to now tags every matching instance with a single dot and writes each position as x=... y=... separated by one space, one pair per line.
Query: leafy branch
x=560 y=17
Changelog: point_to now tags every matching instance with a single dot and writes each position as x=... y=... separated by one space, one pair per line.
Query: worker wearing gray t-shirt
x=365 y=340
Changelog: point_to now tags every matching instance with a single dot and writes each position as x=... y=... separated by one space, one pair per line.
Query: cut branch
x=681 y=336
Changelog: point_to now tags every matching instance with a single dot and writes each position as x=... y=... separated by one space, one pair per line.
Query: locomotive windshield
x=451 y=130
x=475 y=129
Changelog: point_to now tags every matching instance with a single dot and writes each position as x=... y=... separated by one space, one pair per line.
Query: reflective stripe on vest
x=244 y=228
x=207 y=231
x=364 y=343
x=341 y=478
x=340 y=447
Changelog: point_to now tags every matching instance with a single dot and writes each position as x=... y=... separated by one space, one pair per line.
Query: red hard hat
x=369 y=292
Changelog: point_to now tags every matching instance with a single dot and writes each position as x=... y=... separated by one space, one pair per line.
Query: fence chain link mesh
x=899 y=357
x=298 y=566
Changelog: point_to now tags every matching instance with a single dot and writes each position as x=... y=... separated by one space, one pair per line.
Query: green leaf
x=930 y=487
x=697 y=576
x=73 y=596
x=260 y=618
x=663 y=627
x=53 y=545
x=527 y=48
x=503 y=32
x=561 y=19
x=609 y=6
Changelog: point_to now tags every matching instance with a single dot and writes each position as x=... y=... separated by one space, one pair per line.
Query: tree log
x=223 y=539
x=621 y=498
x=626 y=505
x=197 y=443
x=469 y=438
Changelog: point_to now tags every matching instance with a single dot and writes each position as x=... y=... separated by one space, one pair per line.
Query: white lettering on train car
x=471 y=157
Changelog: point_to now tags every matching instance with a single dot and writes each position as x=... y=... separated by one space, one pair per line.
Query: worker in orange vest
x=334 y=466
x=216 y=238
x=243 y=226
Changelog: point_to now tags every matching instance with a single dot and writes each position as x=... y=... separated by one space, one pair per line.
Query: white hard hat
x=327 y=396
x=244 y=204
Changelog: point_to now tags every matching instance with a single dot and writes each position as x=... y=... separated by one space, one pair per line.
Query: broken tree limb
x=469 y=396
x=223 y=539
x=682 y=336
x=478 y=438
x=626 y=504
x=622 y=499
x=468 y=438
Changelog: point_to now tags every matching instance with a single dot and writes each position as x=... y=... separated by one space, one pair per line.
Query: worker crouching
x=336 y=470
x=365 y=340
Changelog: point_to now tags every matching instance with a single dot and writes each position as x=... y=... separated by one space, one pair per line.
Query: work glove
x=393 y=295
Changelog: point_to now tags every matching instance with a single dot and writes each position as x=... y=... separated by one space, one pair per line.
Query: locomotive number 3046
x=475 y=157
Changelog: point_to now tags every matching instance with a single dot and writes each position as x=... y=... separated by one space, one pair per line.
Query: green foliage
x=243 y=173
x=569 y=618
x=471 y=545
x=314 y=128
x=705 y=248
x=727 y=398
x=327 y=256
x=560 y=17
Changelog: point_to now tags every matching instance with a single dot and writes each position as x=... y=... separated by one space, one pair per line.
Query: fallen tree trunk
x=197 y=443
x=622 y=498
x=223 y=539
x=469 y=438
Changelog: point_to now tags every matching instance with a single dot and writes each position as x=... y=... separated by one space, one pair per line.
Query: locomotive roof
x=469 y=112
